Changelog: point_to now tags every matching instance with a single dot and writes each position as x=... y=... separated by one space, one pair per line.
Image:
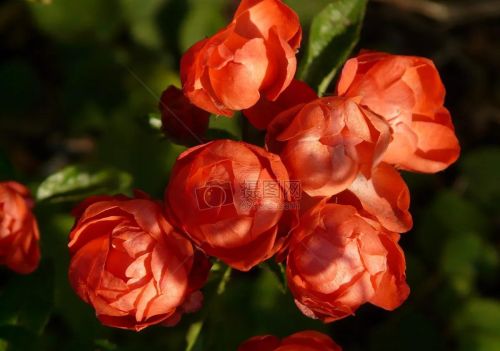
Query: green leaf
x=480 y=175
x=214 y=134
x=192 y=336
x=459 y=260
x=477 y=325
x=105 y=345
x=140 y=15
x=28 y=300
x=479 y=342
x=75 y=183
x=222 y=124
x=479 y=315
x=14 y=338
x=205 y=17
x=279 y=272
x=6 y=170
x=449 y=216
x=67 y=19
x=408 y=330
x=44 y=2
x=334 y=34
x=224 y=280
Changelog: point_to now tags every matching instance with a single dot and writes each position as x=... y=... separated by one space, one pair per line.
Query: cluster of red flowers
x=325 y=193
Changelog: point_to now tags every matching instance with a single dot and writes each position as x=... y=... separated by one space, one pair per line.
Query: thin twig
x=449 y=13
x=153 y=94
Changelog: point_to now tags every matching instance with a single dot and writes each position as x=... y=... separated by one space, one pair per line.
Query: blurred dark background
x=78 y=79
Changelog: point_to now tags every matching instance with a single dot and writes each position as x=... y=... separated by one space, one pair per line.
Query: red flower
x=339 y=260
x=407 y=91
x=263 y=113
x=253 y=56
x=302 y=341
x=131 y=266
x=327 y=142
x=19 y=234
x=231 y=198
x=182 y=122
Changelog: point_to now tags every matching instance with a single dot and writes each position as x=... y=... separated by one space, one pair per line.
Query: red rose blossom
x=253 y=56
x=231 y=199
x=339 y=260
x=407 y=92
x=19 y=234
x=303 y=341
x=131 y=265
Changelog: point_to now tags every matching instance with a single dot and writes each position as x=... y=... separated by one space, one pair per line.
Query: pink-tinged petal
x=230 y=232
x=86 y=266
x=358 y=293
x=147 y=295
x=260 y=343
x=170 y=264
x=237 y=84
x=127 y=302
x=436 y=148
x=329 y=170
x=91 y=230
x=325 y=266
x=161 y=305
x=281 y=69
x=423 y=78
x=347 y=76
x=310 y=338
x=246 y=257
x=103 y=308
x=138 y=244
x=373 y=254
x=145 y=213
x=194 y=79
x=386 y=196
x=392 y=290
x=137 y=270
x=257 y=18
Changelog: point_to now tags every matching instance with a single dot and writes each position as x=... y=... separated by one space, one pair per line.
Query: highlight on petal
x=334 y=137
x=385 y=196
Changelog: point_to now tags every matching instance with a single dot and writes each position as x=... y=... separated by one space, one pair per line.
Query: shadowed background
x=77 y=82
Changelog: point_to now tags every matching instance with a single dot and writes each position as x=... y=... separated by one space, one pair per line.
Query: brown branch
x=450 y=14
